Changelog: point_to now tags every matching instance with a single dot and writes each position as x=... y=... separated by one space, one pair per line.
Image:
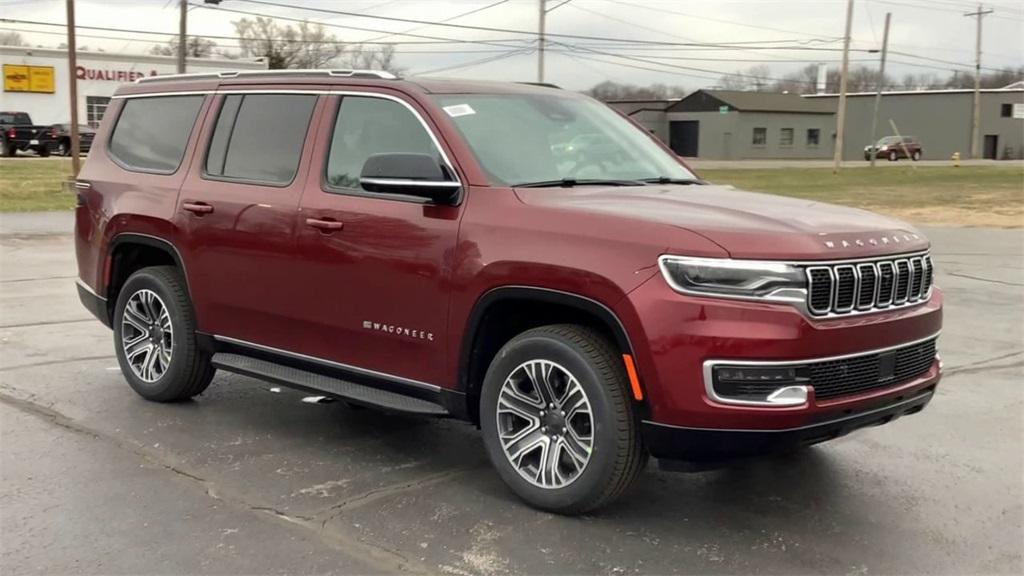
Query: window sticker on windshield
x=457 y=110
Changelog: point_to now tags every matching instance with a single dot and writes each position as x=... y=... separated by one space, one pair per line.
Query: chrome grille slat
x=847 y=287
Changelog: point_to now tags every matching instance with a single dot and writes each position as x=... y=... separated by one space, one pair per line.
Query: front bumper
x=710 y=446
x=682 y=334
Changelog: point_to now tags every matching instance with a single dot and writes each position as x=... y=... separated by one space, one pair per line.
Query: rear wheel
x=916 y=156
x=558 y=421
x=154 y=337
x=64 y=148
x=8 y=148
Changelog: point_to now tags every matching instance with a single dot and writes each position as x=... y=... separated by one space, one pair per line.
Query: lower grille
x=857 y=374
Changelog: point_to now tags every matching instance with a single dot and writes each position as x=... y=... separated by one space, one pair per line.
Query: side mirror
x=413 y=174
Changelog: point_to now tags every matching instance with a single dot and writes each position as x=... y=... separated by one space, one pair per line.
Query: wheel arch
x=128 y=252
x=489 y=326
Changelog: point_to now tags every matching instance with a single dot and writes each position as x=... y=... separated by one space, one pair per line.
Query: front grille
x=857 y=374
x=869 y=285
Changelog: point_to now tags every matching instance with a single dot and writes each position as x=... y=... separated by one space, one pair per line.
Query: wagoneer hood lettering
x=746 y=224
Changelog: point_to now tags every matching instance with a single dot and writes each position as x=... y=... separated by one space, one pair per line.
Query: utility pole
x=841 y=112
x=76 y=163
x=182 y=42
x=879 y=87
x=976 y=118
x=540 y=41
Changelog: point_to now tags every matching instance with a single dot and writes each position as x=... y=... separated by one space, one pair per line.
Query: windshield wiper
x=667 y=180
x=570 y=182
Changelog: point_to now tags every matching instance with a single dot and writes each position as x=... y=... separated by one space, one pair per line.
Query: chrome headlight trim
x=795 y=294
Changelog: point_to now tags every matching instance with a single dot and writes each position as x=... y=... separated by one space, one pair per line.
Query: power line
x=156 y=33
x=482 y=28
x=508 y=54
x=456 y=17
x=719 y=20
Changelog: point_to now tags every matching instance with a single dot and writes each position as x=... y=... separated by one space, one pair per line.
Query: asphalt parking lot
x=247 y=480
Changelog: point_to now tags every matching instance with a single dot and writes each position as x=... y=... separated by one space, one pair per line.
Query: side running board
x=304 y=380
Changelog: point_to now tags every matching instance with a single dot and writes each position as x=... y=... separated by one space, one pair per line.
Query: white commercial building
x=36 y=79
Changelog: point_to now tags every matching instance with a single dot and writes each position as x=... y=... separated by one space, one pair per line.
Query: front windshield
x=530 y=138
x=888 y=140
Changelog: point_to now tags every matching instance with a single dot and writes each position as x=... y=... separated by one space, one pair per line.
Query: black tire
x=617 y=454
x=8 y=149
x=64 y=148
x=43 y=151
x=916 y=155
x=893 y=156
x=189 y=370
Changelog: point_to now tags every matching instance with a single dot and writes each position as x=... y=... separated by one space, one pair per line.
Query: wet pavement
x=248 y=480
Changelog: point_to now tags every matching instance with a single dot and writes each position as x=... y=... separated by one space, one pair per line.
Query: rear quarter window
x=151 y=134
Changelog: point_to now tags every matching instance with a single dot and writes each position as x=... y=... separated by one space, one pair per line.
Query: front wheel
x=557 y=419
x=154 y=337
x=893 y=156
x=916 y=156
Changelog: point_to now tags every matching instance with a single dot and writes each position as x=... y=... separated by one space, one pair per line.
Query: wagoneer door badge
x=399 y=330
x=895 y=238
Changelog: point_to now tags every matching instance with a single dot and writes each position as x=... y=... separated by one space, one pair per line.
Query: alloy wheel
x=545 y=424
x=146 y=335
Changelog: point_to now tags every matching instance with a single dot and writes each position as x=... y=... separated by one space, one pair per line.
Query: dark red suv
x=518 y=256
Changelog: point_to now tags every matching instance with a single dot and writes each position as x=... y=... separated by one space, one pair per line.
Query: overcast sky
x=934 y=29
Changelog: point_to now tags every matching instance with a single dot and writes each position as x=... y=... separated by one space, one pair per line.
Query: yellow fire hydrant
x=956 y=159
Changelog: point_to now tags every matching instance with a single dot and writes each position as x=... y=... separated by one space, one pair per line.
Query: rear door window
x=259 y=137
x=152 y=133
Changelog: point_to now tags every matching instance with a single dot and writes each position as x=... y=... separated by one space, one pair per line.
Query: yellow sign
x=18 y=78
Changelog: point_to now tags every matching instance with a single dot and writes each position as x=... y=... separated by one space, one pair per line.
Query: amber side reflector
x=634 y=382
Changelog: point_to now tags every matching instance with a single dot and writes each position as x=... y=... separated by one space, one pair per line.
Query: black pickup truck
x=18 y=133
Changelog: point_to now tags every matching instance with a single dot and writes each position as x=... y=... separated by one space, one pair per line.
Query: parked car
x=418 y=246
x=896 y=147
x=58 y=138
x=18 y=133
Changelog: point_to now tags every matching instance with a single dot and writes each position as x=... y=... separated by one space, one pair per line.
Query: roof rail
x=269 y=74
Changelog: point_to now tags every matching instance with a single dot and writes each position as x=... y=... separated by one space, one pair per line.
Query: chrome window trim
x=338 y=92
x=331 y=363
x=709 y=365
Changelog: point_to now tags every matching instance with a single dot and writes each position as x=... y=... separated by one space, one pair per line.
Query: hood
x=744 y=224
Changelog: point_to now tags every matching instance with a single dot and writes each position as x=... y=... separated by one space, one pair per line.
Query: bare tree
x=12 y=39
x=307 y=46
x=756 y=79
x=359 y=57
x=195 y=47
x=608 y=91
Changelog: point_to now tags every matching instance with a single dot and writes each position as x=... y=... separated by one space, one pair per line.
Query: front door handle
x=197 y=208
x=325 y=226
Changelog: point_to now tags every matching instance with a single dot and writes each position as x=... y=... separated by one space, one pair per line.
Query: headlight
x=884 y=147
x=752 y=279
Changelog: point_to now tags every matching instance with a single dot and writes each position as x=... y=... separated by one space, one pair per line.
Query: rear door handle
x=198 y=208
x=325 y=225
